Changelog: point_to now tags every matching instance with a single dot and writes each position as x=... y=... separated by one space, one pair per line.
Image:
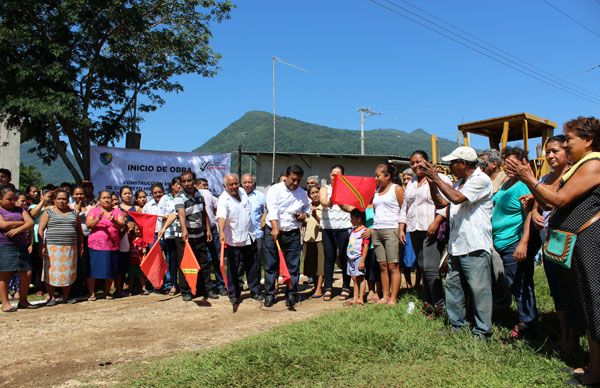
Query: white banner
x=111 y=168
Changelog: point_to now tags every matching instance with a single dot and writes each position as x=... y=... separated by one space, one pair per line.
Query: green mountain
x=254 y=132
x=55 y=173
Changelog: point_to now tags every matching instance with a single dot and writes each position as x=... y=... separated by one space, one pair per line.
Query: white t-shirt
x=471 y=221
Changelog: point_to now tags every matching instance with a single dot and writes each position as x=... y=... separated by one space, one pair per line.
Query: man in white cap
x=470 y=205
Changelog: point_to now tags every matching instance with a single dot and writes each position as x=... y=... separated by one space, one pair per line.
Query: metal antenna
x=368 y=112
x=275 y=60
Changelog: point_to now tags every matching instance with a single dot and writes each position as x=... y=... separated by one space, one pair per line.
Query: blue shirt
x=257 y=200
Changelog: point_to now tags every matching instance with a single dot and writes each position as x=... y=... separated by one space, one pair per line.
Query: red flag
x=357 y=191
x=223 y=272
x=154 y=266
x=147 y=224
x=283 y=269
x=190 y=267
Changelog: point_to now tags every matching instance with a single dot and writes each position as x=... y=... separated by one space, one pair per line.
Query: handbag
x=559 y=244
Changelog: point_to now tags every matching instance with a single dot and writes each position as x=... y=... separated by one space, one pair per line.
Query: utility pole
x=274 y=60
x=368 y=112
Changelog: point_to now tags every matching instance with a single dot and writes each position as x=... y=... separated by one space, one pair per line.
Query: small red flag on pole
x=283 y=269
x=357 y=191
x=154 y=266
x=147 y=224
x=190 y=267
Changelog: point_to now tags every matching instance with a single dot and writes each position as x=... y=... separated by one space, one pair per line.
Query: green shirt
x=508 y=216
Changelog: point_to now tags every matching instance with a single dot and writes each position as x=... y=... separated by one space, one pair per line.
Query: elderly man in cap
x=470 y=245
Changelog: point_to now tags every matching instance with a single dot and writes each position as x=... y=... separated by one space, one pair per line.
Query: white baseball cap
x=464 y=153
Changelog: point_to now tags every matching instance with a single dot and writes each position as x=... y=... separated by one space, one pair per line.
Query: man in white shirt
x=258 y=203
x=237 y=231
x=470 y=244
x=287 y=208
x=213 y=247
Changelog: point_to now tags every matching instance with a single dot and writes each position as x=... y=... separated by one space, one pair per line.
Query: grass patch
x=370 y=346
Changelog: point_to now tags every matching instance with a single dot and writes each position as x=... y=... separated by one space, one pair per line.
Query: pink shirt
x=104 y=236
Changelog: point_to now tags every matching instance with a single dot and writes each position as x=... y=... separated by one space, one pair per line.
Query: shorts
x=387 y=245
x=14 y=258
x=352 y=268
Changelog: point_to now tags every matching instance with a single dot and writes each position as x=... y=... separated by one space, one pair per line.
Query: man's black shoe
x=290 y=302
x=211 y=295
x=186 y=297
x=223 y=291
x=235 y=300
x=269 y=301
x=257 y=297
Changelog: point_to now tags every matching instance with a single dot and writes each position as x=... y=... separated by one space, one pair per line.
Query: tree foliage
x=84 y=70
x=29 y=176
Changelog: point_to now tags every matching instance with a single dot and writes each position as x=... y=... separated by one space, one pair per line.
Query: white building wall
x=316 y=165
x=10 y=152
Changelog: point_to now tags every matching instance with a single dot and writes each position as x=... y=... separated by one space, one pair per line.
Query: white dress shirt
x=471 y=221
x=418 y=209
x=211 y=203
x=238 y=229
x=158 y=209
x=283 y=205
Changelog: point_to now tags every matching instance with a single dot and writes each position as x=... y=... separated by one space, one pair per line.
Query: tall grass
x=370 y=346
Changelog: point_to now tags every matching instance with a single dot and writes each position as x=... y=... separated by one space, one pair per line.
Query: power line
x=570 y=18
x=565 y=84
x=456 y=37
x=550 y=76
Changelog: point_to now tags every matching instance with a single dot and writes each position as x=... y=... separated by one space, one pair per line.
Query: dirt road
x=85 y=343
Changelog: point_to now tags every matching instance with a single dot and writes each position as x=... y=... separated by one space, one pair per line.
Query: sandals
x=10 y=310
x=91 y=298
x=345 y=295
x=327 y=296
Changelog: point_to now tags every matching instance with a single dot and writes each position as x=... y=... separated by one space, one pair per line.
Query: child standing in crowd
x=372 y=272
x=314 y=258
x=21 y=201
x=114 y=197
x=14 y=236
x=141 y=198
x=358 y=248
x=136 y=277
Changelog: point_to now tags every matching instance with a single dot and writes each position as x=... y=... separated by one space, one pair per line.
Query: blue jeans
x=171 y=256
x=214 y=253
x=291 y=247
x=470 y=272
x=519 y=278
x=335 y=242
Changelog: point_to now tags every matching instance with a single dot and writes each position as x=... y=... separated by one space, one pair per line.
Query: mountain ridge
x=254 y=131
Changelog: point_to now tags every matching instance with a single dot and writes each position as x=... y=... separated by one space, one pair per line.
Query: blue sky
x=360 y=54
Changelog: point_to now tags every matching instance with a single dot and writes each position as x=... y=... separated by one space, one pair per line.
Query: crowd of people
x=487 y=221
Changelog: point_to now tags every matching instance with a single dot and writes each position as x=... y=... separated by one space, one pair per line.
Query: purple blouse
x=14 y=214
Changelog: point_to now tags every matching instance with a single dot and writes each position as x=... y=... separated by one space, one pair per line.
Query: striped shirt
x=194 y=207
x=418 y=209
x=61 y=228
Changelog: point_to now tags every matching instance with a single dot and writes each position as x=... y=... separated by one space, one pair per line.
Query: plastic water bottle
x=411 y=308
